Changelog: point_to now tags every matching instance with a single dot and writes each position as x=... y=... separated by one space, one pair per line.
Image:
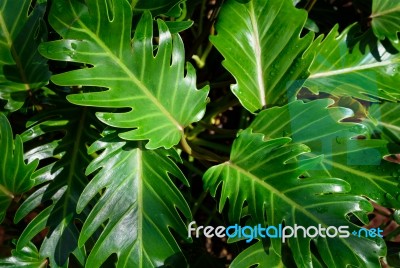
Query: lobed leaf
x=22 y=68
x=357 y=161
x=357 y=72
x=27 y=257
x=159 y=109
x=138 y=207
x=62 y=135
x=261 y=44
x=15 y=174
x=264 y=176
x=386 y=19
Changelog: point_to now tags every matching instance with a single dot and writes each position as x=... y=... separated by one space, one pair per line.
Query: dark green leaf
x=22 y=68
x=138 y=207
x=386 y=19
x=159 y=108
x=15 y=175
x=261 y=44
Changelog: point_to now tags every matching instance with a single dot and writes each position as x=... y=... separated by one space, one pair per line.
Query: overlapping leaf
x=161 y=99
x=137 y=207
x=340 y=71
x=27 y=257
x=358 y=161
x=385 y=120
x=264 y=176
x=22 y=68
x=65 y=131
x=15 y=175
x=386 y=19
x=155 y=6
x=261 y=44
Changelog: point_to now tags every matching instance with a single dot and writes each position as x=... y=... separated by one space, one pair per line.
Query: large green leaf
x=359 y=73
x=15 y=175
x=264 y=176
x=61 y=136
x=138 y=207
x=159 y=108
x=386 y=19
x=261 y=44
x=27 y=257
x=22 y=68
x=384 y=120
x=358 y=161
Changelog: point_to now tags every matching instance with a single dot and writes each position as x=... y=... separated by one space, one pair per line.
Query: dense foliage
x=135 y=118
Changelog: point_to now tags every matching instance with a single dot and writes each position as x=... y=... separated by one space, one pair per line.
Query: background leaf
x=359 y=71
x=64 y=137
x=358 y=161
x=15 y=175
x=386 y=19
x=127 y=71
x=27 y=257
x=264 y=176
x=138 y=207
x=261 y=44
x=22 y=68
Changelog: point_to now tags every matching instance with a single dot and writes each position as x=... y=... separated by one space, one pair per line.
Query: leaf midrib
x=131 y=75
x=392 y=10
x=354 y=69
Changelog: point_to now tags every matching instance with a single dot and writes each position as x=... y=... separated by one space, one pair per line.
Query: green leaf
x=27 y=257
x=15 y=175
x=178 y=26
x=358 y=161
x=159 y=108
x=359 y=73
x=261 y=44
x=138 y=207
x=384 y=119
x=256 y=255
x=22 y=68
x=62 y=136
x=264 y=176
x=386 y=19
x=155 y=6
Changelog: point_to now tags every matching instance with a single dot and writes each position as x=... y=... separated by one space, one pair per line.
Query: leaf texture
x=358 y=161
x=15 y=174
x=22 y=68
x=138 y=206
x=261 y=44
x=356 y=72
x=158 y=109
x=264 y=177
x=64 y=137
x=386 y=19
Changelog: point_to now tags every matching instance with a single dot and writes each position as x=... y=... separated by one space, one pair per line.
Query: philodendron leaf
x=155 y=6
x=339 y=71
x=264 y=176
x=27 y=257
x=358 y=161
x=15 y=175
x=138 y=206
x=61 y=136
x=261 y=44
x=384 y=119
x=386 y=19
x=256 y=255
x=22 y=68
x=159 y=108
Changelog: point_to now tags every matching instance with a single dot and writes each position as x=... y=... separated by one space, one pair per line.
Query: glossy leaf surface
x=22 y=68
x=261 y=44
x=356 y=72
x=158 y=109
x=15 y=174
x=386 y=19
x=264 y=176
x=27 y=257
x=358 y=161
x=138 y=207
